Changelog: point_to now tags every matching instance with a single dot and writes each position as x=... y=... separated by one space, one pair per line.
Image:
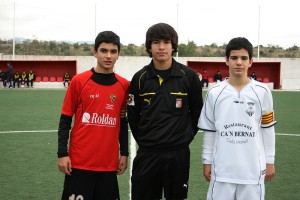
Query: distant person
x=98 y=146
x=200 y=76
x=9 y=74
x=67 y=79
x=31 y=78
x=204 y=79
x=17 y=79
x=218 y=77
x=253 y=76
x=164 y=105
x=239 y=136
x=24 y=79
x=3 y=77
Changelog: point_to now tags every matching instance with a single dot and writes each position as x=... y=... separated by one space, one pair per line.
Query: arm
x=123 y=141
x=269 y=146
x=134 y=107
x=64 y=162
x=195 y=101
x=207 y=152
x=268 y=134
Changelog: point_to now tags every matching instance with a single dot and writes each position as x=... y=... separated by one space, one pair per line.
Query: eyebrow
x=108 y=50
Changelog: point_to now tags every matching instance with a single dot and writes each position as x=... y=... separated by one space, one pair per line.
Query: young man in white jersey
x=239 y=137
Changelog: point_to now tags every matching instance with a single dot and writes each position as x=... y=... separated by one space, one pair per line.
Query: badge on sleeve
x=130 y=101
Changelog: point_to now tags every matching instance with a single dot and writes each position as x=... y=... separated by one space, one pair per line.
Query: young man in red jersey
x=98 y=147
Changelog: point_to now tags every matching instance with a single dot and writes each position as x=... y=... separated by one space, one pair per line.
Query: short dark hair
x=161 y=31
x=237 y=44
x=107 y=37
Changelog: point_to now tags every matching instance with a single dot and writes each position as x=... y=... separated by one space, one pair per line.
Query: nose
x=108 y=54
x=239 y=61
x=161 y=45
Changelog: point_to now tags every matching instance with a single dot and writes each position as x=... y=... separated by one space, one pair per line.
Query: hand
x=122 y=165
x=270 y=172
x=64 y=165
x=207 y=171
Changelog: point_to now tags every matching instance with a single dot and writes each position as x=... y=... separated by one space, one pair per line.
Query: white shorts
x=232 y=191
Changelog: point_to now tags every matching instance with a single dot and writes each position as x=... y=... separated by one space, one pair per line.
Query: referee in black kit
x=165 y=101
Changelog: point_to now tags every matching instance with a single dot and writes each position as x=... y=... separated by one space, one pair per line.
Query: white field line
x=34 y=131
x=132 y=147
x=131 y=139
x=132 y=156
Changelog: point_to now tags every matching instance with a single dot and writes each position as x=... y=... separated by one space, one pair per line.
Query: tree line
x=36 y=47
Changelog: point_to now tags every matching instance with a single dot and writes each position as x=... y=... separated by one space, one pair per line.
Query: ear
x=250 y=62
x=227 y=60
x=95 y=54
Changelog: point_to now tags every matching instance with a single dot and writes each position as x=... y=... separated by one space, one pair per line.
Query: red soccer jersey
x=94 y=139
x=204 y=76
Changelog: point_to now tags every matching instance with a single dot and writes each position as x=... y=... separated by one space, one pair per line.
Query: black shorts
x=90 y=185
x=155 y=173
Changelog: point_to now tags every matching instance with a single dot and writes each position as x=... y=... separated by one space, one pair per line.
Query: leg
x=80 y=185
x=221 y=191
x=106 y=186
x=146 y=177
x=250 y=192
x=176 y=174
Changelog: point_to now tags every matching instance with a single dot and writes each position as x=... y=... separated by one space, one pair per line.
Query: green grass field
x=28 y=145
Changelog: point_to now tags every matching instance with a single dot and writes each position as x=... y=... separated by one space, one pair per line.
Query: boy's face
x=107 y=54
x=239 y=63
x=161 y=50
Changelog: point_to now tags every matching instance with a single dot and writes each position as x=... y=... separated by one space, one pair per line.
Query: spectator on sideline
x=98 y=147
x=17 y=79
x=9 y=73
x=218 y=77
x=67 y=79
x=31 y=77
x=165 y=101
x=24 y=79
x=253 y=76
x=204 y=78
x=200 y=77
x=239 y=136
x=3 y=77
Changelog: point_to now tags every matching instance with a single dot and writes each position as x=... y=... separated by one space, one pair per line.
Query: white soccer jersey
x=237 y=119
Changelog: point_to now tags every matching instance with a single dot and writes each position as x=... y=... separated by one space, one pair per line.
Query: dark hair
x=238 y=44
x=107 y=37
x=161 y=31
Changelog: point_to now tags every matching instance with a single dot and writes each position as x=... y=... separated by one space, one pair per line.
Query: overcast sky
x=201 y=21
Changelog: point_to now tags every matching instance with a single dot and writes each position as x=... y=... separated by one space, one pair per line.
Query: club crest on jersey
x=178 y=103
x=113 y=98
x=250 y=111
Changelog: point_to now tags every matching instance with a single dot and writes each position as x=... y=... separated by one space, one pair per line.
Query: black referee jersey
x=163 y=112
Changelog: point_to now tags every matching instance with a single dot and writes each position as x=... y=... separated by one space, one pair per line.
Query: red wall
x=269 y=70
x=42 y=67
